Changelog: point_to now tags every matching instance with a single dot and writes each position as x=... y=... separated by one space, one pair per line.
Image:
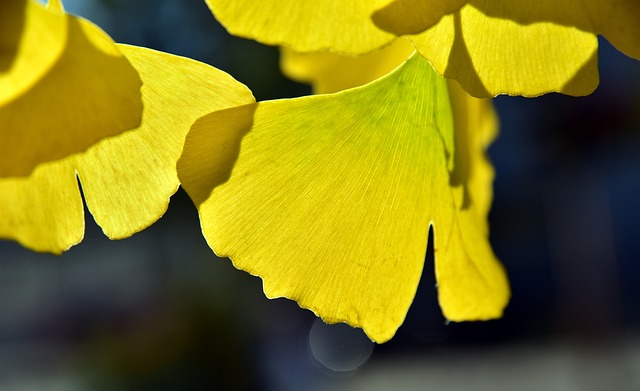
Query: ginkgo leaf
x=305 y=25
x=617 y=20
x=31 y=40
x=331 y=198
x=331 y=72
x=403 y=17
x=529 y=48
x=475 y=120
x=475 y=127
x=67 y=88
x=490 y=55
x=126 y=179
x=43 y=211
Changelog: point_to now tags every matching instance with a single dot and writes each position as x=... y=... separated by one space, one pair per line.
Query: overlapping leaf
x=490 y=54
x=330 y=72
x=305 y=25
x=475 y=121
x=403 y=17
x=64 y=86
x=490 y=46
x=520 y=48
x=614 y=19
x=126 y=179
x=24 y=57
x=331 y=198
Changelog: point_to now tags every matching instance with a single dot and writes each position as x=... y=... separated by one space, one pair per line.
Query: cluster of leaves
x=329 y=198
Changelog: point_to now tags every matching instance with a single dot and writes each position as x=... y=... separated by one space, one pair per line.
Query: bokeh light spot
x=339 y=347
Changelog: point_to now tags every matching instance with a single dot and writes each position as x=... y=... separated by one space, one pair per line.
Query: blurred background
x=159 y=311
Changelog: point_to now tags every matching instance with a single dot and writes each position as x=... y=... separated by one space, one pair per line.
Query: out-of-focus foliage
x=330 y=72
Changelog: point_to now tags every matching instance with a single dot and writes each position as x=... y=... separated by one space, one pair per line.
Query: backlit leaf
x=518 y=48
x=617 y=20
x=330 y=72
x=65 y=86
x=126 y=179
x=490 y=54
x=305 y=25
x=331 y=198
x=403 y=17
x=475 y=120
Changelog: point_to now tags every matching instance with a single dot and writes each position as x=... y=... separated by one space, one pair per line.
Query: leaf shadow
x=211 y=150
x=60 y=110
x=12 y=21
x=460 y=65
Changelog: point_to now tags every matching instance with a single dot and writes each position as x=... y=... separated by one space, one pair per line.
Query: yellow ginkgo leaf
x=55 y=103
x=617 y=20
x=331 y=198
x=43 y=211
x=31 y=40
x=331 y=72
x=305 y=25
x=403 y=17
x=475 y=127
x=126 y=179
x=491 y=55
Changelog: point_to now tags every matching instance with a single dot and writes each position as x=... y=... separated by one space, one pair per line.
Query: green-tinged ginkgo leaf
x=491 y=55
x=331 y=198
x=475 y=121
x=126 y=179
x=66 y=87
x=413 y=16
x=305 y=25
